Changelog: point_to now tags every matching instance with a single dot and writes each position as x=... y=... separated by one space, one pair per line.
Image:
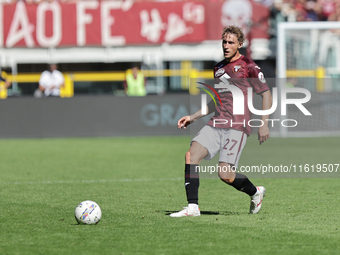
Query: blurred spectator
x=328 y=7
x=283 y=10
x=313 y=11
x=335 y=15
x=7 y=82
x=51 y=81
x=135 y=82
x=304 y=10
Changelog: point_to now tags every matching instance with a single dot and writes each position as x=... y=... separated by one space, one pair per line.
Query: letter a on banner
x=20 y=19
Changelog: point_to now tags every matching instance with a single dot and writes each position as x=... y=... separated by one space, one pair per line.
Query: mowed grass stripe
x=91 y=181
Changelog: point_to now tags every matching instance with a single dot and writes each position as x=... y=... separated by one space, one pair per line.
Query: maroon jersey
x=242 y=73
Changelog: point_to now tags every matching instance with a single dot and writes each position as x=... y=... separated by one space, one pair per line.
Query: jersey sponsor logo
x=223 y=90
x=261 y=77
x=219 y=72
x=224 y=78
x=236 y=68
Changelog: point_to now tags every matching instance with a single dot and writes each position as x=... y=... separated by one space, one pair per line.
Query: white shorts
x=229 y=142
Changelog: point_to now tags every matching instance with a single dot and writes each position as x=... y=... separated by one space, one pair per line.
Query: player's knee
x=227 y=180
x=192 y=158
x=187 y=157
x=226 y=177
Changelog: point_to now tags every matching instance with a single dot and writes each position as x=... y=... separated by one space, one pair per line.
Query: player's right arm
x=189 y=119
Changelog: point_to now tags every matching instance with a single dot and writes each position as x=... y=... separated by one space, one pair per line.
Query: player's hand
x=263 y=134
x=183 y=122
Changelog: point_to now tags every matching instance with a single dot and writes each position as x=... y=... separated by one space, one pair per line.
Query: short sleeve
x=257 y=79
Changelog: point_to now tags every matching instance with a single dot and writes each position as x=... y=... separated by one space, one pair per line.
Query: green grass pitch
x=138 y=181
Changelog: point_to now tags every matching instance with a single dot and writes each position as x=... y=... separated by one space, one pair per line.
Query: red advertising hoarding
x=119 y=23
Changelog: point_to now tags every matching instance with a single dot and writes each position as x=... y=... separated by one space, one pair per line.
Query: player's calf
x=242 y=183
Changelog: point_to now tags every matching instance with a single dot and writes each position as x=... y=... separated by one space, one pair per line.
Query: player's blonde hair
x=234 y=30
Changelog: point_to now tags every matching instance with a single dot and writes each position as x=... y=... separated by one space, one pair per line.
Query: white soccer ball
x=88 y=212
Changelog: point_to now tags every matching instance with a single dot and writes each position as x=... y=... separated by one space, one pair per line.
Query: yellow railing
x=185 y=73
x=318 y=73
x=70 y=78
x=113 y=76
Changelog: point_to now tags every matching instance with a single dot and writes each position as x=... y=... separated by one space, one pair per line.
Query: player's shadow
x=210 y=213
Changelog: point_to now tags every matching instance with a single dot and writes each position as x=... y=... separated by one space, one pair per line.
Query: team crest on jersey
x=219 y=72
x=236 y=68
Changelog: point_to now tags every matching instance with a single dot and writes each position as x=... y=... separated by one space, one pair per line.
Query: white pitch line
x=91 y=181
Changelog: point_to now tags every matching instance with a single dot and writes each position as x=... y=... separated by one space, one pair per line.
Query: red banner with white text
x=120 y=23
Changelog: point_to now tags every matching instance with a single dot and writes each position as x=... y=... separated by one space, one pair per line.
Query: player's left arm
x=261 y=88
x=263 y=133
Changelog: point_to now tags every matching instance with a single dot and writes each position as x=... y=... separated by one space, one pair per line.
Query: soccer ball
x=88 y=212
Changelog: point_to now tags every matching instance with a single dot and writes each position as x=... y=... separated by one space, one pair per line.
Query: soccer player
x=226 y=132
